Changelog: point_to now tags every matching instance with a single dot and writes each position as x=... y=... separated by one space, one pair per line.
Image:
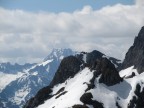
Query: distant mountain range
x=94 y=80
x=18 y=83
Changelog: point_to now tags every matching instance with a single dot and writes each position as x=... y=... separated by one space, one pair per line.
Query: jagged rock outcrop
x=135 y=54
x=105 y=67
x=87 y=99
x=90 y=58
x=109 y=74
x=68 y=68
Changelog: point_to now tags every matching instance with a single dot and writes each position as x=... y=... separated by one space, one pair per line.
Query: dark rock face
x=118 y=106
x=68 y=68
x=137 y=100
x=94 y=55
x=109 y=73
x=79 y=106
x=135 y=55
x=87 y=99
x=91 y=58
x=40 y=97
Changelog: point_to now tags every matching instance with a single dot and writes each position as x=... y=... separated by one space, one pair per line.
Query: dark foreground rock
x=86 y=98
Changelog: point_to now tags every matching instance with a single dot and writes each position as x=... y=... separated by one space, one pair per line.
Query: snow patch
x=127 y=72
x=45 y=63
x=6 y=79
x=61 y=57
x=35 y=73
x=20 y=95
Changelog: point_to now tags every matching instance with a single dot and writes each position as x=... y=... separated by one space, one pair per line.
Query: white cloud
x=27 y=36
x=139 y=2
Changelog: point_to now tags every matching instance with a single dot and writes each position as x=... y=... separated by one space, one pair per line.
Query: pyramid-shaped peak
x=59 y=53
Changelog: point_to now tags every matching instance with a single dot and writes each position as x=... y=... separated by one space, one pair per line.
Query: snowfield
x=6 y=79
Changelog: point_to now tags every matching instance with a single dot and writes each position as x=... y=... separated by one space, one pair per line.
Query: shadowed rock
x=68 y=68
x=109 y=74
x=135 y=54
x=86 y=98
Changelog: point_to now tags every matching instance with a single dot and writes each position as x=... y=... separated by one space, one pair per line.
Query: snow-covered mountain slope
x=5 y=79
x=77 y=92
x=75 y=76
x=36 y=77
x=73 y=92
x=10 y=72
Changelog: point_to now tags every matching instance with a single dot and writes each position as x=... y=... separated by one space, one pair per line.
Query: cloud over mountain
x=31 y=35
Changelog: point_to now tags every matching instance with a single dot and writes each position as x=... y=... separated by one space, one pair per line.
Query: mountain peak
x=59 y=53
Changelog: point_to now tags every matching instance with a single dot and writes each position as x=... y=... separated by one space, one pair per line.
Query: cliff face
x=135 y=54
x=67 y=69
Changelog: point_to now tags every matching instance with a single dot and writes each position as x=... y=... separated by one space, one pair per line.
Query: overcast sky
x=30 y=30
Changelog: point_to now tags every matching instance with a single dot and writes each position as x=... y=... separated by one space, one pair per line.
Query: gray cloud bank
x=29 y=37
